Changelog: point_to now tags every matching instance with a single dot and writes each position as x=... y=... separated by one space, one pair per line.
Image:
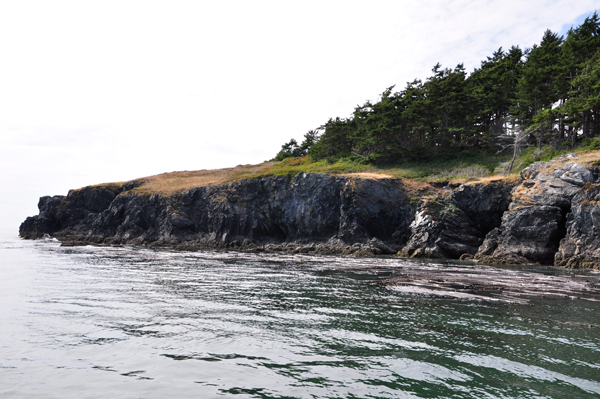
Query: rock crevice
x=547 y=219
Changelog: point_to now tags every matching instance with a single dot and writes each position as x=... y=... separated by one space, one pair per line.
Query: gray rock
x=527 y=234
x=453 y=226
x=581 y=245
x=298 y=212
x=535 y=222
x=575 y=174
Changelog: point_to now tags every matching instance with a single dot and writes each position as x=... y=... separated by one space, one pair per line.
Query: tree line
x=549 y=94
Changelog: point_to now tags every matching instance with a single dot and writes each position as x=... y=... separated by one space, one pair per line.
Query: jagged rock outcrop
x=581 y=245
x=339 y=214
x=551 y=216
x=60 y=212
x=532 y=228
x=455 y=225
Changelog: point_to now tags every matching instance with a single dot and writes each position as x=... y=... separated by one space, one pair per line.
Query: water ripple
x=92 y=322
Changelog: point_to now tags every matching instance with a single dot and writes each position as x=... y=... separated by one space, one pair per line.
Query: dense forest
x=546 y=95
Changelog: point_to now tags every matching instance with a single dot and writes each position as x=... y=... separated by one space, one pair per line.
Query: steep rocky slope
x=551 y=215
x=310 y=212
x=455 y=224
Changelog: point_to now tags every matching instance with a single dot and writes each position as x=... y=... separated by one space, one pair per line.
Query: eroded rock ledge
x=551 y=218
x=552 y=215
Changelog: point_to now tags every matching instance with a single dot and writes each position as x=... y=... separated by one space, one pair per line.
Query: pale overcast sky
x=99 y=91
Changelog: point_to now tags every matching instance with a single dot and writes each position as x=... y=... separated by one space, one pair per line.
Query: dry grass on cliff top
x=585 y=158
x=175 y=182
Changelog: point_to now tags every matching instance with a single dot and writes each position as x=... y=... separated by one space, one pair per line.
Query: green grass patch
x=531 y=155
x=467 y=167
x=290 y=167
x=464 y=165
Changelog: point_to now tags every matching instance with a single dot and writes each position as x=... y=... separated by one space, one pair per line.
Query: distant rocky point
x=551 y=215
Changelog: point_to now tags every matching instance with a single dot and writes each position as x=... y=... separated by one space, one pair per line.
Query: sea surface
x=130 y=322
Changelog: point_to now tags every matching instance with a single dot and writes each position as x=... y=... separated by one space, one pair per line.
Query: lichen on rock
x=534 y=229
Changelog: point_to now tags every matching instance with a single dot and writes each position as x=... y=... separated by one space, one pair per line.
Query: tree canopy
x=551 y=90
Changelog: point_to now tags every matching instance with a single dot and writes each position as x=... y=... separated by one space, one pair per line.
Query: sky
x=104 y=91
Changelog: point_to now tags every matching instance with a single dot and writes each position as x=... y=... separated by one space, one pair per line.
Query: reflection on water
x=91 y=322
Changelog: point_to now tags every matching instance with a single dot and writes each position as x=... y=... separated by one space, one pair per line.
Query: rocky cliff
x=454 y=224
x=551 y=219
x=309 y=213
x=551 y=215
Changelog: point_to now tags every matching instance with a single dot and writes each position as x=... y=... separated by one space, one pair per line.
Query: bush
x=468 y=172
x=594 y=144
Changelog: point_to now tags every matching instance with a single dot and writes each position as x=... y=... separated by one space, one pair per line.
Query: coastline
x=548 y=216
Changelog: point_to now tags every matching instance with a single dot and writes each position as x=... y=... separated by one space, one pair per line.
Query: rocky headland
x=551 y=215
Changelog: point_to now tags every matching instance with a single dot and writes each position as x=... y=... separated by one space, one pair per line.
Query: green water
x=136 y=323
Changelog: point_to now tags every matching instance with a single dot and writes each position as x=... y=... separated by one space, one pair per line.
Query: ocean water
x=128 y=322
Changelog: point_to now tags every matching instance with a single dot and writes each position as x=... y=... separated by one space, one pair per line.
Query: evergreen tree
x=578 y=56
x=378 y=128
x=336 y=141
x=553 y=87
x=493 y=89
x=538 y=89
x=292 y=149
x=447 y=98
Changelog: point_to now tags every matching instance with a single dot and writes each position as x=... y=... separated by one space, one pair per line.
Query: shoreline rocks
x=551 y=216
x=534 y=228
x=309 y=213
x=455 y=225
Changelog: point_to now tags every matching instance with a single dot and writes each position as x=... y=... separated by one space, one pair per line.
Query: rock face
x=551 y=216
x=455 y=225
x=581 y=245
x=536 y=221
x=311 y=213
x=60 y=212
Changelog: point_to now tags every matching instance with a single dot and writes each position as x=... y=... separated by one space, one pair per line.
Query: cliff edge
x=551 y=215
